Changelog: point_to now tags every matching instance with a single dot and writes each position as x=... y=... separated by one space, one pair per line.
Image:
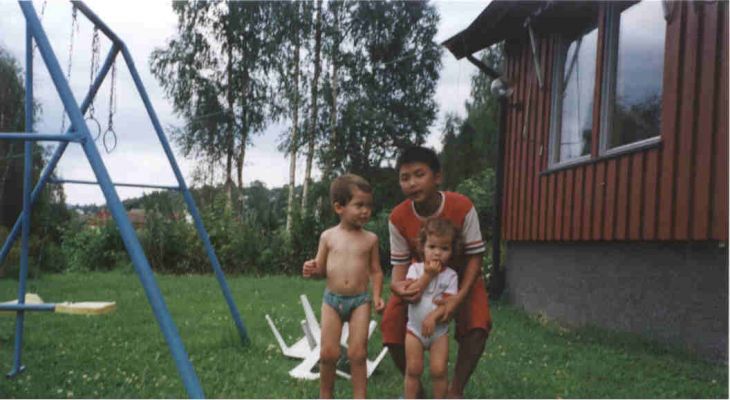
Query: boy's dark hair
x=341 y=188
x=440 y=227
x=419 y=154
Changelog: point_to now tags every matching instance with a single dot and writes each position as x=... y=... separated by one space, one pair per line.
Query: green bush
x=480 y=189
x=96 y=248
x=379 y=225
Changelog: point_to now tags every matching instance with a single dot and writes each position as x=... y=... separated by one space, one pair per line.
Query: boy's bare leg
x=357 y=350
x=414 y=367
x=439 y=355
x=471 y=347
x=329 y=351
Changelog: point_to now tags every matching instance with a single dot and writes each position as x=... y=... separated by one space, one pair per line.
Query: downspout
x=501 y=89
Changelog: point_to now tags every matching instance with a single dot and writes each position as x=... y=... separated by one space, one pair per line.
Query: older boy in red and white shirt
x=419 y=176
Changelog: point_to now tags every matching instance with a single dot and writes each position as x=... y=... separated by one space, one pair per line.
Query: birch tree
x=313 y=104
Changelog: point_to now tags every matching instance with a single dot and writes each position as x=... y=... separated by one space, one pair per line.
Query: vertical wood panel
x=720 y=198
x=636 y=196
x=599 y=194
x=577 y=204
x=559 y=191
x=568 y=204
x=527 y=94
x=511 y=144
x=588 y=203
x=550 y=220
x=508 y=157
x=546 y=137
x=672 y=101
x=538 y=137
x=609 y=207
x=622 y=197
x=520 y=143
x=706 y=128
x=533 y=92
x=688 y=118
x=651 y=187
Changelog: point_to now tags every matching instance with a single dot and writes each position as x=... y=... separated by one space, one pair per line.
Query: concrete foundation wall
x=671 y=292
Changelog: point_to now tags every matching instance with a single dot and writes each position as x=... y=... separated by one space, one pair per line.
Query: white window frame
x=557 y=107
x=608 y=87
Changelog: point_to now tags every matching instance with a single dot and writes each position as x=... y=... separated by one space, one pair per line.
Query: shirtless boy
x=348 y=257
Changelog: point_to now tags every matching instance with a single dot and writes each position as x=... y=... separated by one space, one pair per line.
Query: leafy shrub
x=480 y=189
x=96 y=248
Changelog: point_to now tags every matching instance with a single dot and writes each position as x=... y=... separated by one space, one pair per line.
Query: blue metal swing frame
x=78 y=132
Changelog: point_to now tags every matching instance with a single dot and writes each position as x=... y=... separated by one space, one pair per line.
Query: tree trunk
x=239 y=163
x=313 y=114
x=333 y=82
x=231 y=142
x=294 y=138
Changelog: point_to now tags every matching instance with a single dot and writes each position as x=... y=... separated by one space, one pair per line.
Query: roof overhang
x=503 y=20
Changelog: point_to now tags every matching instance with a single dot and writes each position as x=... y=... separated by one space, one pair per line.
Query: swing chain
x=74 y=29
x=94 y=65
x=94 y=70
x=110 y=137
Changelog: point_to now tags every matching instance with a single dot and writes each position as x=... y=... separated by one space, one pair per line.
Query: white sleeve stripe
x=476 y=244
x=475 y=251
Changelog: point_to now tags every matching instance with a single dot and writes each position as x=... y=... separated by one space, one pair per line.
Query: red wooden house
x=615 y=196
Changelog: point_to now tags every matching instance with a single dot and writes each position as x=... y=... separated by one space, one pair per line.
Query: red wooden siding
x=675 y=191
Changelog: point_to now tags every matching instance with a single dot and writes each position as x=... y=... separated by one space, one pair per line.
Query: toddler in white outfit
x=446 y=282
x=438 y=242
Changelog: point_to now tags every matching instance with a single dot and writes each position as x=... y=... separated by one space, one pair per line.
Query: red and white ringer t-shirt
x=405 y=223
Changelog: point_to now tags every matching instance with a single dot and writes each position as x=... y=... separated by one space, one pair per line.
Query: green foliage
x=123 y=354
x=470 y=144
x=480 y=189
x=379 y=225
x=96 y=248
x=216 y=70
x=388 y=69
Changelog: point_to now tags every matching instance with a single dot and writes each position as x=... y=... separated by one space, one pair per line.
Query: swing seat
x=80 y=308
x=86 y=307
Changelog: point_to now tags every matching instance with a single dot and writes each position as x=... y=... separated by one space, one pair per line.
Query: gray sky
x=143 y=26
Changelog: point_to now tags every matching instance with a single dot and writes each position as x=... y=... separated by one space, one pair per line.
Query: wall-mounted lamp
x=501 y=88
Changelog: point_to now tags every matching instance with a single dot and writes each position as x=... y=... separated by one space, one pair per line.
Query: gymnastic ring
x=98 y=127
x=107 y=147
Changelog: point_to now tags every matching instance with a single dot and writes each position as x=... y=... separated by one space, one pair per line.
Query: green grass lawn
x=123 y=354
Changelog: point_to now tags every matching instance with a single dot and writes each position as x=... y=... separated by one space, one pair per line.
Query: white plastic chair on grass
x=308 y=347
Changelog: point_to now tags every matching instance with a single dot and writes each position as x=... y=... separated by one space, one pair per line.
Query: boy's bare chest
x=350 y=247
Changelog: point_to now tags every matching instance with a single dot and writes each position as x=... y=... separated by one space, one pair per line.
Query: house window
x=574 y=77
x=630 y=88
x=634 y=65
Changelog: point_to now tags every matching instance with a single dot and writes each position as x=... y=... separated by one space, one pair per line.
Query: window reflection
x=576 y=99
x=639 y=66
